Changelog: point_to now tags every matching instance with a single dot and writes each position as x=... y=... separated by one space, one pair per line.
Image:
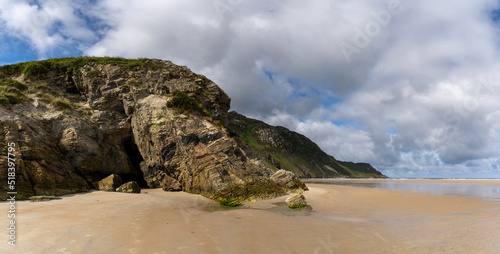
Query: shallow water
x=279 y=207
x=485 y=189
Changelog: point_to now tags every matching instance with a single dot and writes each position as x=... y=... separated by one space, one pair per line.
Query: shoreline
x=340 y=219
x=401 y=179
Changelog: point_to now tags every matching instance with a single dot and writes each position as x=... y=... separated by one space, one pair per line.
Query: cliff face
x=279 y=147
x=74 y=121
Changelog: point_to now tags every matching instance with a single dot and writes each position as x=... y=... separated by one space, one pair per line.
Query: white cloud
x=47 y=26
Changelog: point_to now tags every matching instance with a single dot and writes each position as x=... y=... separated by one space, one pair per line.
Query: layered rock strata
x=79 y=120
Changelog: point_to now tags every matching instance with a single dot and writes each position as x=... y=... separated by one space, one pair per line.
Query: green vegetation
x=181 y=100
x=70 y=64
x=280 y=148
x=297 y=206
x=34 y=69
x=359 y=170
x=283 y=149
x=13 y=83
x=11 y=92
x=50 y=96
x=159 y=124
x=43 y=92
x=93 y=74
x=61 y=104
x=11 y=70
x=41 y=87
x=230 y=202
x=135 y=82
x=235 y=195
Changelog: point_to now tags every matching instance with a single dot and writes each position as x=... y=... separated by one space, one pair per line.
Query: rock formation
x=109 y=183
x=287 y=179
x=296 y=200
x=75 y=121
x=280 y=148
x=130 y=187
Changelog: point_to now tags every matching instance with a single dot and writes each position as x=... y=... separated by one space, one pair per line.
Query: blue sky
x=408 y=86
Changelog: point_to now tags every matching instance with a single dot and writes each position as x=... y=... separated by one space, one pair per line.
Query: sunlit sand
x=340 y=219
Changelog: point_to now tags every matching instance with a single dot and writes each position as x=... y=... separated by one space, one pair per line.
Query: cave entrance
x=135 y=158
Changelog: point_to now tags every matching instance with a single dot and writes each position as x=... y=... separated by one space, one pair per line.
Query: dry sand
x=343 y=219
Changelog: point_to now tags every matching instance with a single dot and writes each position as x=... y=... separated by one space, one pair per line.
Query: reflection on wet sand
x=486 y=189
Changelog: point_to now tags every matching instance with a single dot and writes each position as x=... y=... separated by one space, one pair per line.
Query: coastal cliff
x=279 y=147
x=74 y=121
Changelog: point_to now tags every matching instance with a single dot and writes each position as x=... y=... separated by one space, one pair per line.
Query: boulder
x=155 y=179
x=287 y=179
x=296 y=200
x=109 y=183
x=130 y=187
x=170 y=184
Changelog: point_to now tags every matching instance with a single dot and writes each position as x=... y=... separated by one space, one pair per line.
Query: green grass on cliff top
x=11 y=92
x=68 y=64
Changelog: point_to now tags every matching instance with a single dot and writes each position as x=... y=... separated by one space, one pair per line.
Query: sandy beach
x=340 y=219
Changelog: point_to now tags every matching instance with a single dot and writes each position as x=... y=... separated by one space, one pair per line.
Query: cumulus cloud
x=47 y=25
x=408 y=86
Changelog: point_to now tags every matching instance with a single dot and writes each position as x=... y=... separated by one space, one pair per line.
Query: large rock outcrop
x=75 y=121
x=79 y=120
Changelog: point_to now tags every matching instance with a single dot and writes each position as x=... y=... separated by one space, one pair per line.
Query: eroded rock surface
x=287 y=179
x=296 y=200
x=148 y=121
x=130 y=187
x=109 y=183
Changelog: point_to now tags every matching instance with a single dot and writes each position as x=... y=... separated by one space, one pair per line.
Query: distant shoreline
x=376 y=178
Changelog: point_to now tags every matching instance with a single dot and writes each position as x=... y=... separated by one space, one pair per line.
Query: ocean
x=486 y=189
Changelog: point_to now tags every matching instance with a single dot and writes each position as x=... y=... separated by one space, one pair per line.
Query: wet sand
x=341 y=219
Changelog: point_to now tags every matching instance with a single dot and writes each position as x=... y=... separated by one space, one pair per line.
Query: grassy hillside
x=281 y=148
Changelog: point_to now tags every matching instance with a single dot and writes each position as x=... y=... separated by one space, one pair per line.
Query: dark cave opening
x=135 y=158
